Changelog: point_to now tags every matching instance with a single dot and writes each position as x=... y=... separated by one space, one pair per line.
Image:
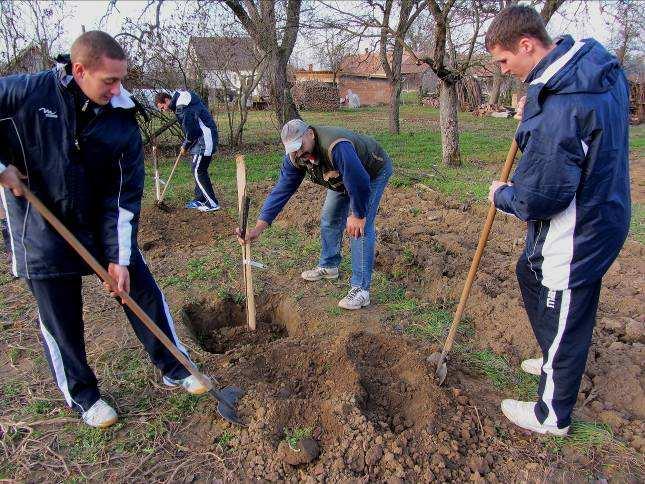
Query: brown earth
x=357 y=381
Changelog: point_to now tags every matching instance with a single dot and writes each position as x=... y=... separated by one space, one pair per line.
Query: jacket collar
x=173 y=101
x=548 y=70
x=63 y=71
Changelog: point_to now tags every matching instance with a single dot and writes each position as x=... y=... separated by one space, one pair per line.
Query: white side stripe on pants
x=549 y=387
x=14 y=262
x=57 y=363
x=198 y=160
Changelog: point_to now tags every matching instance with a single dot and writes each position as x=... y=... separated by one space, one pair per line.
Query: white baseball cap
x=292 y=133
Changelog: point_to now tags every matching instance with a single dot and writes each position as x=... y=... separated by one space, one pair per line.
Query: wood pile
x=315 y=96
x=431 y=101
x=469 y=94
x=488 y=109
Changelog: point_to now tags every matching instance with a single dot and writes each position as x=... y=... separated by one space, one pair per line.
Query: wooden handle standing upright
x=155 y=165
x=106 y=277
x=483 y=238
x=174 y=167
x=246 y=248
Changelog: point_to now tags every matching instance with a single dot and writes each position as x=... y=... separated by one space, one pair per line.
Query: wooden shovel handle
x=105 y=276
x=155 y=165
x=483 y=238
x=174 y=167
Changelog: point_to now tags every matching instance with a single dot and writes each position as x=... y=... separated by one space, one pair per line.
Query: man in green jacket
x=355 y=170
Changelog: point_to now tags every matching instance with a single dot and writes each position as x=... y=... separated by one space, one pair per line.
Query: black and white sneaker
x=356 y=298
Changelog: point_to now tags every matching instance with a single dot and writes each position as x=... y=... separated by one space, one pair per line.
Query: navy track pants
x=563 y=323
x=60 y=314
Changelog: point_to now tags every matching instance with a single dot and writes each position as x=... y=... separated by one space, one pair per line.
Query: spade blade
x=227 y=398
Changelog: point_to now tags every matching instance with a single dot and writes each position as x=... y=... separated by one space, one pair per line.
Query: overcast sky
x=89 y=13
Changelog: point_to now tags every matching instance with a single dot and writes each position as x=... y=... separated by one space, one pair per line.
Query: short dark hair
x=90 y=48
x=513 y=23
x=161 y=97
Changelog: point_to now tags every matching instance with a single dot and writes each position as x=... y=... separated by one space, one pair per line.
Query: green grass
x=434 y=324
x=292 y=437
x=224 y=440
x=179 y=405
x=88 y=443
x=501 y=374
x=637 y=140
x=416 y=151
x=637 y=227
x=37 y=408
x=585 y=435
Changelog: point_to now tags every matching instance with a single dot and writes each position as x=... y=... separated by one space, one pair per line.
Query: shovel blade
x=438 y=360
x=441 y=373
x=226 y=400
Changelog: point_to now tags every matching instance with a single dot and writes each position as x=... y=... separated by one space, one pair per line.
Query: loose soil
x=358 y=383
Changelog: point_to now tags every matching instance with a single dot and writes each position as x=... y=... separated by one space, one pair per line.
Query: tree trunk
x=449 y=123
x=395 y=98
x=497 y=86
x=285 y=109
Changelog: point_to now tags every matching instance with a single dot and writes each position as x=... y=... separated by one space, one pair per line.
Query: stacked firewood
x=488 y=109
x=315 y=96
x=432 y=101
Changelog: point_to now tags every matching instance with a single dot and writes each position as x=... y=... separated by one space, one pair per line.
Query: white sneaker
x=522 y=414
x=191 y=384
x=320 y=273
x=100 y=415
x=204 y=207
x=532 y=366
x=356 y=298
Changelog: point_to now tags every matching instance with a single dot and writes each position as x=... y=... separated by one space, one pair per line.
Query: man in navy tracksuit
x=71 y=136
x=572 y=187
x=201 y=136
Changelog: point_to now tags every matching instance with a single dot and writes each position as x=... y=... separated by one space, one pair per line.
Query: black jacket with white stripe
x=200 y=130
x=91 y=180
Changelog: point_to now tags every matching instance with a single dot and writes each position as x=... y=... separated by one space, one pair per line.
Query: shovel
x=440 y=359
x=226 y=397
x=159 y=202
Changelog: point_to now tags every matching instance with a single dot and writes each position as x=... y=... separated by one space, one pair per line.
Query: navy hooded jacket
x=572 y=182
x=199 y=128
x=92 y=180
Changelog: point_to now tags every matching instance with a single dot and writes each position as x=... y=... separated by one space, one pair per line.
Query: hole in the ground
x=394 y=394
x=219 y=325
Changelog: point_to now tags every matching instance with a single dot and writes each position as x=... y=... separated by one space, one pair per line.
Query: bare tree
x=388 y=22
x=448 y=79
x=334 y=47
x=32 y=24
x=238 y=69
x=276 y=38
x=409 y=10
x=46 y=23
x=12 y=30
x=548 y=9
x=626 y=21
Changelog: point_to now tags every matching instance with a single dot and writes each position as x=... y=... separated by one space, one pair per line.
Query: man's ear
x=526 y=45
x=78 y=70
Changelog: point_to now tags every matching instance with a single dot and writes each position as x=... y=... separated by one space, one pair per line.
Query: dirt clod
x=305 y=452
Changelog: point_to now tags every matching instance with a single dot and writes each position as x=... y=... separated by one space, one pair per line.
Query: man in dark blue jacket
x=71 y=135
x=200 y=134
x=572 y=187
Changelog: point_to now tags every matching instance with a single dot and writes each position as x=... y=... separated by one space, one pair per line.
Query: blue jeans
x=332 y=225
